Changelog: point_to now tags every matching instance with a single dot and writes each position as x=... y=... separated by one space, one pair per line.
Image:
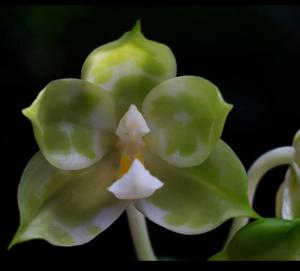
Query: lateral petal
x=186 y=116
x=74 y=123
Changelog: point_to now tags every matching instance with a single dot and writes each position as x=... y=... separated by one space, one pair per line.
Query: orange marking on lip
x=126 y=161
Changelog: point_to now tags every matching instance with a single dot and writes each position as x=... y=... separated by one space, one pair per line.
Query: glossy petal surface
x=66 y=208
x=197 y=199
x=74 y=123
x=186 y=116
x=129 y=67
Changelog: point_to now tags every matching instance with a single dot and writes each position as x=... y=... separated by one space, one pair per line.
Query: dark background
x=252 y=53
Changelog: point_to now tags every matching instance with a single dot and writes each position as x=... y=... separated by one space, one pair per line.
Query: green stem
x=269 y=160
x=139 y=234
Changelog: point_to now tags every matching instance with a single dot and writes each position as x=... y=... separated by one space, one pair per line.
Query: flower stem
x=139 y=234
x=267 y=161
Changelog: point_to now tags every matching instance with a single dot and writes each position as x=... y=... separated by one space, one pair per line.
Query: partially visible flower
x=296 y=145
x=266 y=239
x=129 y=132
x=288 y=194
x=272 y=238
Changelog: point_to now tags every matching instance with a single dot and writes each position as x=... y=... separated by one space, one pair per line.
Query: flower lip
x=136 y=183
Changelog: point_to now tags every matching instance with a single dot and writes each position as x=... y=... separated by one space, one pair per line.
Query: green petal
x=186 y=116
x=66 y=208
x=74 y=123
x=197 y=199
x=129 y=67
x=264 y=239
x=288 y=198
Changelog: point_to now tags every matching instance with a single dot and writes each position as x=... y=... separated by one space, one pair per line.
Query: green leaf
x=186 y=116
x=129 y=67
x=264 y=239
x=197 y=199
x=288 y=195
x=66 y=208
x=74 y=123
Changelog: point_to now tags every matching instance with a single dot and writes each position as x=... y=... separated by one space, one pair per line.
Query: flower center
x=126 y=161
x=131 y=130
x=132 y=127
x=135 y=181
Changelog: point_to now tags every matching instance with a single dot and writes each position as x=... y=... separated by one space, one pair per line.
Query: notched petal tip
x=12 y=243
x=137 y=28
x=137 y=183
x=17 y=239
x=27 y=112
x=228 y=107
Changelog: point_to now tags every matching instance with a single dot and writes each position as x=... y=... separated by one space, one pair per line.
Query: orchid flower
x=129 y=133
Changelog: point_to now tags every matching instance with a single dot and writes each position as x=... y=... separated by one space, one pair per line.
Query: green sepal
x=197 y=199
x=129 y=67
x=66 y=208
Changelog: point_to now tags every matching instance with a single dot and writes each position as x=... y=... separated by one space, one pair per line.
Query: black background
x=252 y=53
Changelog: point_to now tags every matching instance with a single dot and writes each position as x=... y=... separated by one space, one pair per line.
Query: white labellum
x=136 y=183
